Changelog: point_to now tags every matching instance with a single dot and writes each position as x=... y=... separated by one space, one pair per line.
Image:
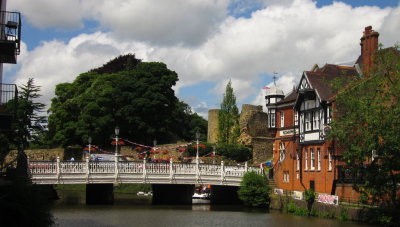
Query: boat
x=200 y=196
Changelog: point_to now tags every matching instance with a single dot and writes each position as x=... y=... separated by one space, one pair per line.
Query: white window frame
x=272 y=118
x=282 y=151
x=319 y=158
x=306 y=160
x=316 y=119
x=329 y=114
x=297 y=162
x=282 y=119
x=296 y=117
x=329 y=161
x=307 y=121
x=286 y=176
x=312 y=157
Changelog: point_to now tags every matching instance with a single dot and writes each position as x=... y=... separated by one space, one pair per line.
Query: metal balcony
x=8 y=105
x=10 y=36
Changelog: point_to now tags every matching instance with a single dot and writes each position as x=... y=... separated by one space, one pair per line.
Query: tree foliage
x=368 y=122
x=136 y=96
x=234 y=152
x=28 y=117
x=228 y=117
x=254 y=190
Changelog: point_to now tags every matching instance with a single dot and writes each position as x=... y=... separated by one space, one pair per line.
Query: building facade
x=303 y=157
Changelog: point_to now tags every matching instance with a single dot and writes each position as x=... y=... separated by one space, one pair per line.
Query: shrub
x=344 y=215
x=254 y=190
x=300 y=211
x=291 y=207
x=204 y=149
x=235 y=152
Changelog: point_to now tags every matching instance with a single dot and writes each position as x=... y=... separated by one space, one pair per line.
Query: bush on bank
x=254 y=190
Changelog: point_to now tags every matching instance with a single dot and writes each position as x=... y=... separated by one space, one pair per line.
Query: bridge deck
x=127 y=172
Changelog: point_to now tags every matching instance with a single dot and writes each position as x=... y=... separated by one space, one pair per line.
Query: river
x=132 y=210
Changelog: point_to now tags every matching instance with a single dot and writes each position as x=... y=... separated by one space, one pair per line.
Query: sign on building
x=328 y=199
x=298 y=195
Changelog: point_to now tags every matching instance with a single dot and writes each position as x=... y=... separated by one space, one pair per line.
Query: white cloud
x=50 y=13
x=202 y=109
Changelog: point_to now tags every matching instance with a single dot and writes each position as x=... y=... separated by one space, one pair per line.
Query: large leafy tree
x=136 y=96
x=228 y=117
x=368 y=126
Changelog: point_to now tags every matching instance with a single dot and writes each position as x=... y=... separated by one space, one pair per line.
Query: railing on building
x=10 y=36
x=8 y=105
x=86 y=172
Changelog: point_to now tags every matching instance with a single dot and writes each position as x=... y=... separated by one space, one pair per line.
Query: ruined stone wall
x=254 y=132
x=212 y=134
x=247 y=111
x=262 y=149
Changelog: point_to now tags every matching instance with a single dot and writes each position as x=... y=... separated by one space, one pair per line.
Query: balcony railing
x=10 y=36
x=8 y=93
x=8 y=105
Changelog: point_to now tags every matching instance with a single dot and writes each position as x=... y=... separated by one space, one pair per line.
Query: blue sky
x=207 y=42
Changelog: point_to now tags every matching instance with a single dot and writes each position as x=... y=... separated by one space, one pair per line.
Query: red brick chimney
x=369 y=45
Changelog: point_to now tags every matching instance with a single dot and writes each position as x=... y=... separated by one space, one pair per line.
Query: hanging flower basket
x=119 y=142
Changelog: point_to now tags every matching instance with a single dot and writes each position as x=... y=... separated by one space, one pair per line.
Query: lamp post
x=197 y=143
x=116 y=140
x=213 y=154
x=90 y=143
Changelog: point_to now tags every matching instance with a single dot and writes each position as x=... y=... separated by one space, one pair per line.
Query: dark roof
x=291 y=97
x=321 y=79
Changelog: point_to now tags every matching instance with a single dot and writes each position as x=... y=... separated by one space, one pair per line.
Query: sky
x=207 y=42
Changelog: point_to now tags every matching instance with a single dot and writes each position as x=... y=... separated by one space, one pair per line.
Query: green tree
x=28 y=118
x=137 y=96
x=254 y=190
x=228 y=117
x=367 y=128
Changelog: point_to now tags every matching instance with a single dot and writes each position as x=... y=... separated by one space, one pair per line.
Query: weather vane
x=275 y=76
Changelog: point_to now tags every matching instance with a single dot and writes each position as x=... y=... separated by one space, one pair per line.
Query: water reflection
x=132 y=210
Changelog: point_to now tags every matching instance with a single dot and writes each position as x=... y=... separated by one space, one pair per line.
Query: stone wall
x=212 y=134
x=254 y=132
x=262 y=149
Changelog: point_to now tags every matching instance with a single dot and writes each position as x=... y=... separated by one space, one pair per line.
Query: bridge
x=136 y=172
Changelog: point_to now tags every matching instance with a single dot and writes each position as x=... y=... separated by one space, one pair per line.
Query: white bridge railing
x=100 y=172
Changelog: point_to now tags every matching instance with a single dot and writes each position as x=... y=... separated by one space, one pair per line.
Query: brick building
x=303 y=158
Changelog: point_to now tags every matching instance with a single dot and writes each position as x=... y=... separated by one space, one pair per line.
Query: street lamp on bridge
x=90 y=143
x=197 y=146
x=116 y=140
